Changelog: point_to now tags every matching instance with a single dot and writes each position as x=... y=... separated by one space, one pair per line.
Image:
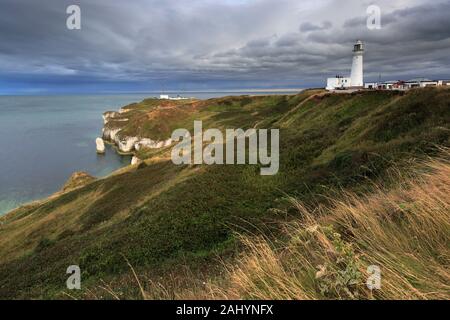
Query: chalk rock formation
x=123 y=110
x=109 y=115
x=125 y=144
x=109 y=134
x=135 y=160
x=114 y=122
x=100 y=145
x=152 y=144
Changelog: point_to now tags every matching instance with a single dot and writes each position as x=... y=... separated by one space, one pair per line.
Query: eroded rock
x=125 y=144
x=135 y=160
x=152 y=144
x=100 y=145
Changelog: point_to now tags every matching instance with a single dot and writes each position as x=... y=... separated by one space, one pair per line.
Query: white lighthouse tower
x=356 y=80
x=357 y=75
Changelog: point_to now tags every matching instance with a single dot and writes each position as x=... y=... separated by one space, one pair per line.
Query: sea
x=44 y=139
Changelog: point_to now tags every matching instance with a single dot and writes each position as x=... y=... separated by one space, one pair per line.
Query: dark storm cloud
x=412 y=42
x=308 y=26
x=227 y=42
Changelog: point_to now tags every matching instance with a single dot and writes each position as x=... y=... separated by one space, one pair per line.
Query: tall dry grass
x=405 y=231
x=325 y=254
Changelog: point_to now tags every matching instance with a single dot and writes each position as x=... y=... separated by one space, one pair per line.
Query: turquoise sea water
x=44 y=139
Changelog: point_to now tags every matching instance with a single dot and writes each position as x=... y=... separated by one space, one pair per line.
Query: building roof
x=391 y=82
x=420 y=80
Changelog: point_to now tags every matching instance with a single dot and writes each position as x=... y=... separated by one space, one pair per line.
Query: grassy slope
x=161 y=215
x=404 y=230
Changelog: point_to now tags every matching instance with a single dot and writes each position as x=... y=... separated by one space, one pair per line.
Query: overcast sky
x=151 y=45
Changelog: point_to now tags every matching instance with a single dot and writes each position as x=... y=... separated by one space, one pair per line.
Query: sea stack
x=135 y=160
x=100 y=145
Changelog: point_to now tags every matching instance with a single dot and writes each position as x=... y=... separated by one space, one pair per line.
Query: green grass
x=164 y=216
x=403 y=229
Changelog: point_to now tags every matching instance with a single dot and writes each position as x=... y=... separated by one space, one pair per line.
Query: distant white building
x=356 y=79
x=390 y=84
x=422 y=83
x=406 y=85
x=167 y=97
x=371 y=85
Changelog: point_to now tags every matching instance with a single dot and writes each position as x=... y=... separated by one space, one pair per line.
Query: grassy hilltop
x=177 y=225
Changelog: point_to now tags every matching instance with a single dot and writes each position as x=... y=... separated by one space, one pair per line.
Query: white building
x=167 y=97
x=390 y=84
x=338 y=82
x=356 y=79
x=371 y=85
x=422 y=83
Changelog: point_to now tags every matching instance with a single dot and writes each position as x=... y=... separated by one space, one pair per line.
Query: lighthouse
x=357 y=75
x=356 y=79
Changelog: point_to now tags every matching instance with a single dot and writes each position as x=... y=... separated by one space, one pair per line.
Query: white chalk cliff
x=152 y=144
x=127 y=144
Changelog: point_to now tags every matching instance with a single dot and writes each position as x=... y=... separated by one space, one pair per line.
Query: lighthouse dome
x=359 y=46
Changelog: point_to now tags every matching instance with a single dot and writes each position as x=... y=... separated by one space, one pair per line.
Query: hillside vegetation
x=168 y=221
x=404 y=231
x=331 y=251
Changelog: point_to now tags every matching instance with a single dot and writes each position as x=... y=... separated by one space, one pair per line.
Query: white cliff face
x=168 y=142
x=152 y=144
x=109 y=115
x=123 y=110
x=125 y=144
x=110 y=134
x=113 y=134
x=100 y=145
